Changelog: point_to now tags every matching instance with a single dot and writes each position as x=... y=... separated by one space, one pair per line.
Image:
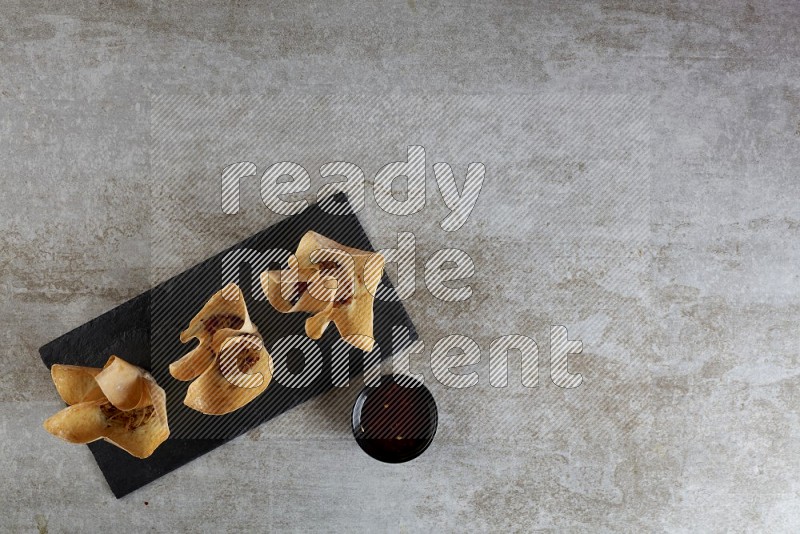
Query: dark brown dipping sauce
x=393 y=423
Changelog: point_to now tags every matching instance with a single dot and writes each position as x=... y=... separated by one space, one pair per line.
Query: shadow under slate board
x=144 y=331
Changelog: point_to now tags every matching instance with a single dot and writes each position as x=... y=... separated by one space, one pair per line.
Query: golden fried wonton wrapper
x=120 y=403
x=230 y=367
x=333 y=282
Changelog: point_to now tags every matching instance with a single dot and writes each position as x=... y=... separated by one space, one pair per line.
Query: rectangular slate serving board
x=144 y=331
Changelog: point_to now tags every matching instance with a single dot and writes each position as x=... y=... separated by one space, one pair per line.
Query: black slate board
x=144 y=331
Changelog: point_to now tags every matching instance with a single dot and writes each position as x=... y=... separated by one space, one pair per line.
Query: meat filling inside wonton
x=332 y=282
x=230 y=366
x=120 y=403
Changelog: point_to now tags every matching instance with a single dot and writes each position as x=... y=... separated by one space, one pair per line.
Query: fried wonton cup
x=230 y=367
x=334 y=283
x=120 y=403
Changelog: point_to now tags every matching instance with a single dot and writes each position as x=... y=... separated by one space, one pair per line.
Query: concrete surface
x=641 y=190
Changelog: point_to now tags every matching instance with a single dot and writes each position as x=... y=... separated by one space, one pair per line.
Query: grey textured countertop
x=641 y=189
